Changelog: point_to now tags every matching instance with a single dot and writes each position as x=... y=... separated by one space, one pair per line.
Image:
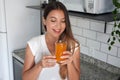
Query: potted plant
x=115 y=34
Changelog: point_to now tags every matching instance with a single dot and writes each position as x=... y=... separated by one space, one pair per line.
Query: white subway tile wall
x=119 y=52
x=100 y=55
x=73 y=20
x=102 y=37
x=93 y=40
x=82 y=40
x=113 y=51
x=77 y=30
x=83 y=23
x=113 y=60
x=94 y=44
x=89 y=34
x=117 y=43
x=109 y=28
x=97 y=26
x=85 y=50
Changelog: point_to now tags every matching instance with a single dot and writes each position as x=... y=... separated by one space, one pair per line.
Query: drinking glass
x=60 y=47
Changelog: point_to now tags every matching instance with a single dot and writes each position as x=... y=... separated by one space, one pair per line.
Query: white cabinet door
x=18 y=66
x=2 y=16
x=4 y=67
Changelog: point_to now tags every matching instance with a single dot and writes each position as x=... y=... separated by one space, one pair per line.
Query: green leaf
x=115 y=17
x=112 y=33
x=115 y=11
x=115 y=34
x=112 y=43
x=119 y=40
x=117 y=31
x=115 y=24
x=116 y=3
x=114 y=38
x=109 y=48
x=119 y=34
x=119 y=25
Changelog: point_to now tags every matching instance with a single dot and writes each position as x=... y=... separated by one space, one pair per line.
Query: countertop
x=88 y=71
x=19 y=55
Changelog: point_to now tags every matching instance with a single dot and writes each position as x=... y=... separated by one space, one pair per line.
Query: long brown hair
x=66 y=35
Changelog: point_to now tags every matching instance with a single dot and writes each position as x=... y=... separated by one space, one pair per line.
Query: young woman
x=40 y=61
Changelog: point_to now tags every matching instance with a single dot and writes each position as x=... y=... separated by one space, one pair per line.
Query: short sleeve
x=33 y=44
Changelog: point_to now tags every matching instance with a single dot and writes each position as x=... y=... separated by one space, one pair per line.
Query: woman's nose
x=58 y=25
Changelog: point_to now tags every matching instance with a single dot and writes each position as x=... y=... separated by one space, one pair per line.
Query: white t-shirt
x=39 y=48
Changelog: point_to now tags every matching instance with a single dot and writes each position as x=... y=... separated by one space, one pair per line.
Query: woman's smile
x=57 y=31
x=55 y=23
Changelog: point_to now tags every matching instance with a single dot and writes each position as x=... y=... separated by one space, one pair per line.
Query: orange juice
x=60 y=46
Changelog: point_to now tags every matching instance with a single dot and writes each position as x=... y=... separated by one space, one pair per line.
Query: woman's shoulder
x=37 y=38
x=36 y=41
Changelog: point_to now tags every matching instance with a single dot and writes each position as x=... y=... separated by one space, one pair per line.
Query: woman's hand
x=66 y=57
x=48 y=61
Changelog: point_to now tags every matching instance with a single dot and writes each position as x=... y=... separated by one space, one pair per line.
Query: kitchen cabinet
x=18 y=61
x=17 y=69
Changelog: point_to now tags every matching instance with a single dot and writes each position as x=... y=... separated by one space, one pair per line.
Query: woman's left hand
x=66 y=57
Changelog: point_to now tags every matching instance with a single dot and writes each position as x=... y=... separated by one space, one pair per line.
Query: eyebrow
x=56 y=18
x=53 y=17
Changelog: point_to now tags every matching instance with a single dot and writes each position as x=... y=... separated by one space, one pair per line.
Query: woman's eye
x=63 y=21
x=52 y=20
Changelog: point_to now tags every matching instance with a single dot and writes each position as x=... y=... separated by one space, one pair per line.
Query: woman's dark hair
x=66 y=35
x=55 y=5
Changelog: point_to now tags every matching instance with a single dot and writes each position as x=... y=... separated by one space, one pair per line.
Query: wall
x=21 y=24
x=93 y=40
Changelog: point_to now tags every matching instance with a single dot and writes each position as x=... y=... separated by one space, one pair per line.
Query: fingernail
x=61 y=57
x=63 y=52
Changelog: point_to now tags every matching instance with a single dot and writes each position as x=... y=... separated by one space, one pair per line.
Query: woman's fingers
x=49 y=57
x=66 y=54
x=48 y=61
x=63 y=62
x=66 y=57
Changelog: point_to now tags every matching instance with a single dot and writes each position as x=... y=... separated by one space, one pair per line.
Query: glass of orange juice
x=60 y=47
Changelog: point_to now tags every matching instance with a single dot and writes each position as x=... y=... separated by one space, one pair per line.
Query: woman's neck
x=50 y=39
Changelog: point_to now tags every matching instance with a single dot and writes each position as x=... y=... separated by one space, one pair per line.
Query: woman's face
x=55 y=23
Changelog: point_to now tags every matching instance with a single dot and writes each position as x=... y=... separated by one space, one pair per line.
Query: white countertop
x=19 y=54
